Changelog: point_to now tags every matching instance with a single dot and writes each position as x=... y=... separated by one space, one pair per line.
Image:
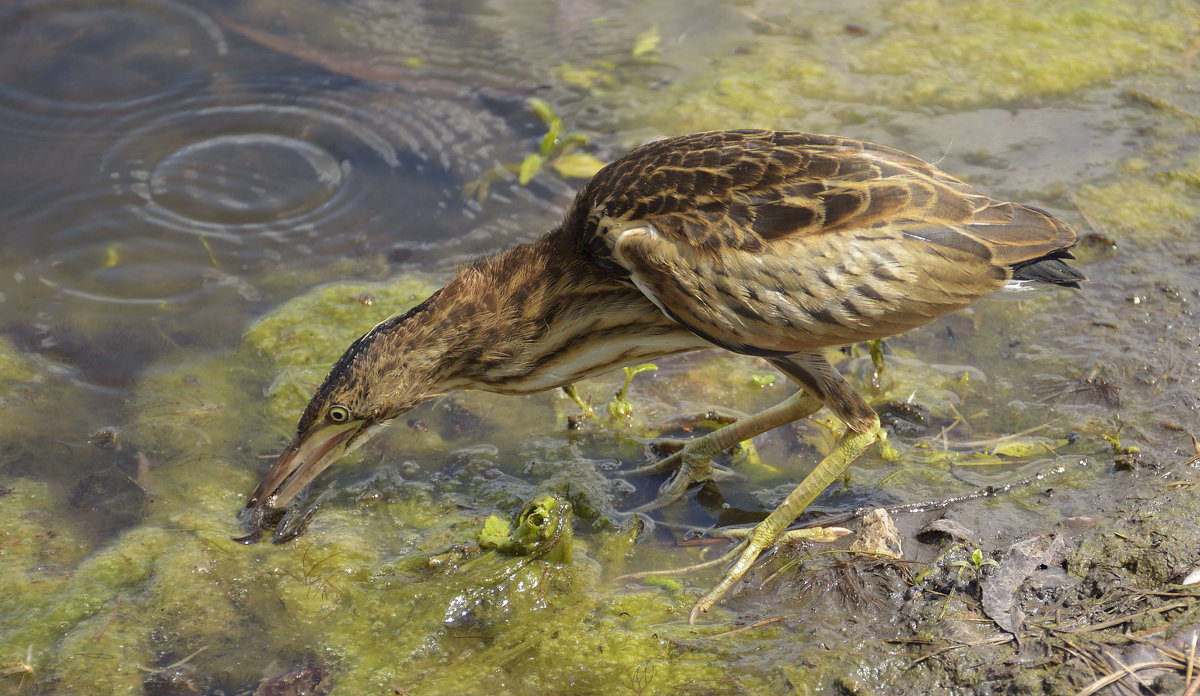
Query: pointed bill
x=303 y=460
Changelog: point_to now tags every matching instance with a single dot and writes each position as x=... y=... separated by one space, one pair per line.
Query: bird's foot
x=691 y=467
x=677 y=449
x=768 y=532
x=691 y=460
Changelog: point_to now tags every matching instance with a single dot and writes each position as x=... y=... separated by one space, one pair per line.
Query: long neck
x=540 y=315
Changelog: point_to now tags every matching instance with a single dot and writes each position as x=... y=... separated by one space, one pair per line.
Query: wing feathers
x=772 y=242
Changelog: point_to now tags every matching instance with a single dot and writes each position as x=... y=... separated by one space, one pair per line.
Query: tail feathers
x=1051 y=268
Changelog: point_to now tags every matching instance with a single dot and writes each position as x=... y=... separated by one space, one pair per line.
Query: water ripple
x=239 y=176
x=320 y=167
x=101 y=253
x=70 y=55
x=234 y=170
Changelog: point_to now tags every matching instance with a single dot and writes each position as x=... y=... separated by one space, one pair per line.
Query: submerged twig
x=1092 y=628
x=1161 y=104
x=173 y=665
x=359 y=69
x=111 y=616
x=1196 y=449
x=983 y=444
x=751 y=627
x=1096 y=229
x=1126 y=670
x=12 y=538
x=985 y=492
x=1193 y=684
x=998 y=640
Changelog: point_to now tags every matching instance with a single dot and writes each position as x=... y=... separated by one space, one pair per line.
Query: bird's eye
x=338 y=414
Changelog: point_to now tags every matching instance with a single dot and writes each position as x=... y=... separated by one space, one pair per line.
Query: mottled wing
x=772 y=243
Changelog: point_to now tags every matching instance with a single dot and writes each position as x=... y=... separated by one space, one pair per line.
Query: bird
x=775 y=244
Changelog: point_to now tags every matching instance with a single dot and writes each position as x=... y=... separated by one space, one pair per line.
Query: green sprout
x=586 y=407
x=620 y=407
x=556 y=151
x=875 y=345
x=762 y=381
x=975 y=563
x=1114 y=439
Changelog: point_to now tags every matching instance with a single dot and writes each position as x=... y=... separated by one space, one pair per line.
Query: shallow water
x=174 y=172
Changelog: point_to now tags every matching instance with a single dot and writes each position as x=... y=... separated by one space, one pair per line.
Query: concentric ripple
x=325 y=168
x=93 y=249
x=233 y=170
x=71 y=55
x=244 y=179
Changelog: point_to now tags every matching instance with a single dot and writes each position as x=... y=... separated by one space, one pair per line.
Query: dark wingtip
x=1051 y=268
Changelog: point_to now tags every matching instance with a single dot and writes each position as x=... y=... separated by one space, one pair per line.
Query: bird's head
x=383 y=374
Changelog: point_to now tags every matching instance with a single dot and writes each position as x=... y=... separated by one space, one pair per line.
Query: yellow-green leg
x=693 y=463
x=767 y=532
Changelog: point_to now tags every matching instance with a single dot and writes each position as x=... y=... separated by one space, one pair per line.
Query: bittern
x=764 y=243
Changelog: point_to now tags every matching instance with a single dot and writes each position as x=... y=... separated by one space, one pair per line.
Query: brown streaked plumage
x=773 y=244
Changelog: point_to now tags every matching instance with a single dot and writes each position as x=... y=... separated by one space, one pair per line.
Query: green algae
x=1141 y=205
x=927 y=54
x=192 y=408
x=961 y=54
x=14 y=367
x=38 y=549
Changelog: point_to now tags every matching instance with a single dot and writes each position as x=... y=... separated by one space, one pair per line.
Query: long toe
x=829 y=469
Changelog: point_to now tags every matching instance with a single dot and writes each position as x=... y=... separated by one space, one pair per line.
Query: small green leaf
x=572 y=139
x=1022 y=447
x=647 y=42
x=762 y=380
x=630 y=373
x=577 y=165
x=530 y=166
x=550 y=141
x=543 y=110
x=664 y=582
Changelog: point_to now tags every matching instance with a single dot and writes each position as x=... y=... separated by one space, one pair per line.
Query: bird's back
x=770 y=242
